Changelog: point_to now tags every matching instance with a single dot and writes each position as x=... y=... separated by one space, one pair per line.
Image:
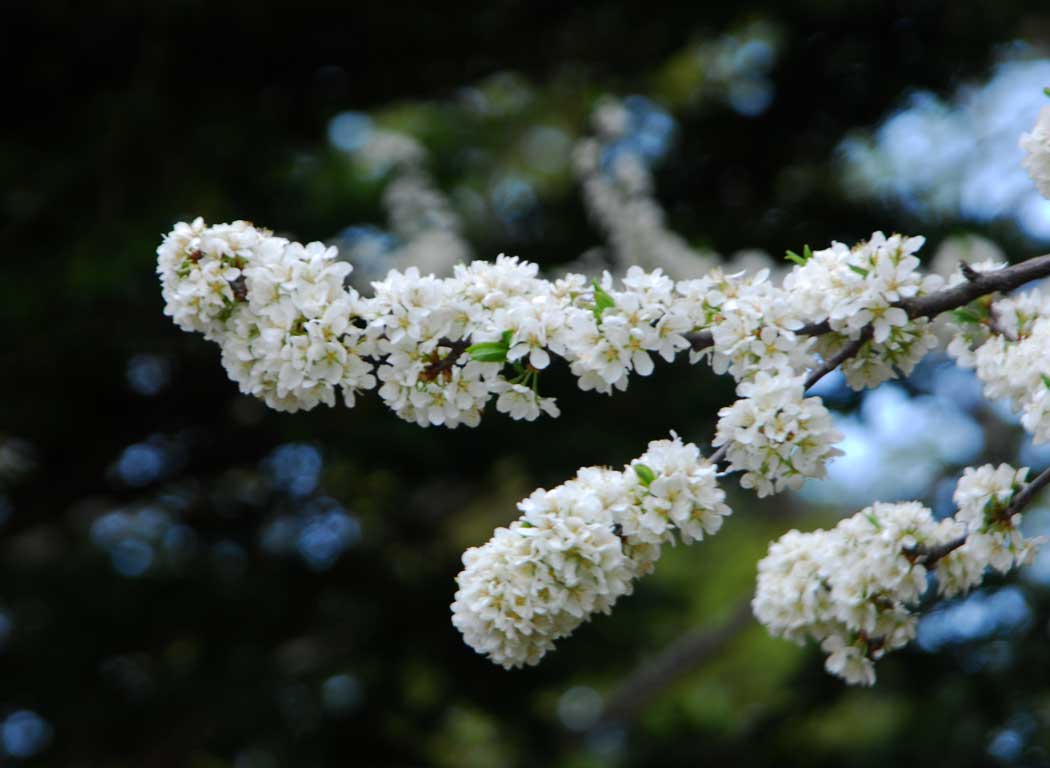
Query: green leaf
x=1046 y=380
x=506 y=336
x=1047 y=90
x=859 y=270
x=602 y=300
x=488 y=352
x=807 y=254
x=966 y=315
x=872 y=519
x=645 y=474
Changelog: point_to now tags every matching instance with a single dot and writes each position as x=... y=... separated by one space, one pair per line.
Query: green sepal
x=807 y=254
x=645 y=474
x=859 y=270
x=488 y=352
x=602 y=300
x=966 y=315
x=1046 y=380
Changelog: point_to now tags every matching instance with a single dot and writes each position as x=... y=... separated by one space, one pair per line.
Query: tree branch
x=929 y=556
x=682 y=656
x=439 y=365
x=1024 y=496
x=978 y=284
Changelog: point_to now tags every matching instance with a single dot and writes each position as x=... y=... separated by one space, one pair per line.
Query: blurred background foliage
x=189 y=579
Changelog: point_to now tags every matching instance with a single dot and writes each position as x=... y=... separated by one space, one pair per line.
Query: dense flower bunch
x=856 y=289
x=775 y=435
x=994 y=540
x=578 y=547
x=1036 y=146
x=855 y=588
x=1006 y=341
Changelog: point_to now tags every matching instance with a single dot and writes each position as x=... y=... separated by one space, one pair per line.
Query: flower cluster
x=1036 y=146
x=776 y=435
x=994 y=540
x=442 y=348
x=852 y=588
x=753 y=324
x=857 y=288
x=1006 y=342
x=578 y=547
x=855 y=588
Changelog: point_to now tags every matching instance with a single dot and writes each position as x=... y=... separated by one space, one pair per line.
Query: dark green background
x=126 y=118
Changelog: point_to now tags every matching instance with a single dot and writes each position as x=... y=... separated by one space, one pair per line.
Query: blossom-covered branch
x=439 y=349
x=856 y=588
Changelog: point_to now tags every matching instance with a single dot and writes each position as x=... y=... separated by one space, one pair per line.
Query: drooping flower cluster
x=853 y=288
x=1007 y=342
x=776 y=435
x=851 y=588
x=994 y=540
x=855 y=588
x=578 y=547
x=1036 y=146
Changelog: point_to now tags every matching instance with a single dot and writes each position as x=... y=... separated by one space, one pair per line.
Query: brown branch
x=683 y=655
x=837 y=359
x=978 y=284
x=929 y=556
x=439 y=365
x=1026 y=494
x=920 y=555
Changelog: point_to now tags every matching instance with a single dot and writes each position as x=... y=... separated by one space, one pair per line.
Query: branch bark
x=684 y=655
x=978 y=284
x=929 y=556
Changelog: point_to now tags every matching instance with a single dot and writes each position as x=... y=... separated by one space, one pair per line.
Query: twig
x=1025 y=495
x=839 y=357
x=929 y=556
x=685 y=654
x=978 y=284
x=439 y=365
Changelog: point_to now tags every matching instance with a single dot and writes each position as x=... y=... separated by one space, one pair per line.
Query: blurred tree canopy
x=188 y=579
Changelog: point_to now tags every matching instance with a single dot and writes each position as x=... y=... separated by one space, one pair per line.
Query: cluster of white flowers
x=994 y=540
x=578 y=547
x=775 y=434
x=753 y=324
x=1006 y=342
x=855 y=588
x=853 y=288
x=292 y=332
x=1036 y=146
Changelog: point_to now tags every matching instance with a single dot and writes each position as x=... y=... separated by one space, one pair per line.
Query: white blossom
x=578 y=547
x=776 y=435
x=853 y=588
x=1006 y=343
